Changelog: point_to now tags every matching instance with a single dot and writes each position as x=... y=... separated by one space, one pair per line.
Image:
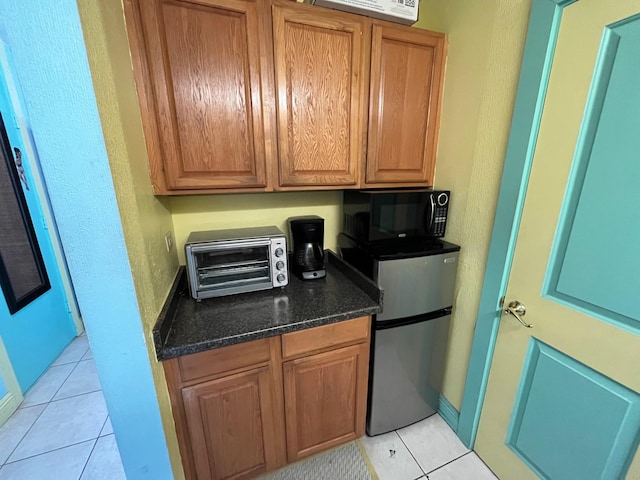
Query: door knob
x=518 y=310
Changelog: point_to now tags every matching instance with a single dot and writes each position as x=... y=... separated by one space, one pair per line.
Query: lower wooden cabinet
x=230 y=425
x=243 y=410
x=325 y=399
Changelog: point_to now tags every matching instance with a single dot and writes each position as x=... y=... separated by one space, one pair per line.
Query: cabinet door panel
x=320 y=92
x=325 y=399
x=405 y=90
x=230 y=425
x=204 y=64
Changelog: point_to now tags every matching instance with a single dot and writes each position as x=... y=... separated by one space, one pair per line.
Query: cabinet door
x=203 y=62
x=320 y=92
x=231 y=425
x=325 y=399
x=407 y=66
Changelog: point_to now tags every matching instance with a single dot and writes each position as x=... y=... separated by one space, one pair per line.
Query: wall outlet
x=168 y=241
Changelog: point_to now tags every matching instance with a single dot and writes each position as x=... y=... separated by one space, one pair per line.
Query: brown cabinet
x=198 y=68
x=227 y=409
x=320 y=91
x=242 y=410
x=407 y=67
x=325 y=399
x=257 y=95
x=230 y=424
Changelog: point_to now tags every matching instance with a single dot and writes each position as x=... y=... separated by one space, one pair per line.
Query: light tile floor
x=62 y=429
x=427 y=450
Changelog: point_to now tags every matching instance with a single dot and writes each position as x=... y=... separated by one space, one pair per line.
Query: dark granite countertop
x=186 y=326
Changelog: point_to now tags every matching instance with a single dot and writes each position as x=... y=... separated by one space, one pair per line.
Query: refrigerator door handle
x=402 y=322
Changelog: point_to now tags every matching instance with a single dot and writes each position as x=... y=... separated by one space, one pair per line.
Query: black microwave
x=377 y=215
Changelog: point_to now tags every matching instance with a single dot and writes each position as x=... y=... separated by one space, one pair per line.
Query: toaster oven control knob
x=279 y=253
x=280 y=265
x=280 y=278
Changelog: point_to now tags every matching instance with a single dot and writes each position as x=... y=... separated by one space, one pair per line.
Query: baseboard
x=8 y=404
x=448 y=413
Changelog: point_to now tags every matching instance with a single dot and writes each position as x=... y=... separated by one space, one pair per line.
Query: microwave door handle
x=432 y=213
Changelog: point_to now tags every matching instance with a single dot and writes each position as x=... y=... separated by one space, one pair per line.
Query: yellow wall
x=145 y=218
x=207 y=212
x=486 y=40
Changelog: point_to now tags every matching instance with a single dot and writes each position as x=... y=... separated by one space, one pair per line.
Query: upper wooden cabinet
x=198 y=68
x=407 y=67
x=257 y=95
x=319 y=63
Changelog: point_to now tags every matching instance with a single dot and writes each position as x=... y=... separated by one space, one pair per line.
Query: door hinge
x=501 y=302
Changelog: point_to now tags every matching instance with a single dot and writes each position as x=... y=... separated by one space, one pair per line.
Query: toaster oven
x=226 y=262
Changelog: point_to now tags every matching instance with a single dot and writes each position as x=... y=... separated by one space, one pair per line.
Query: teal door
x=563 y=394
x=36 y=323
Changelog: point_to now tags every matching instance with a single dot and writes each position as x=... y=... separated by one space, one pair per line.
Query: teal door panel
x=571 y=422
x=595 y=263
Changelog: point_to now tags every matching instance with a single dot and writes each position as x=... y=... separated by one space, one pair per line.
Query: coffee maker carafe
x=307 y=237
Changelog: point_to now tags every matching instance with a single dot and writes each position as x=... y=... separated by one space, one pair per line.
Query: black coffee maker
x=307 y=236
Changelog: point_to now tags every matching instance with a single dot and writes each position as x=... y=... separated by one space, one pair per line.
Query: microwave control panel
x=441 y=207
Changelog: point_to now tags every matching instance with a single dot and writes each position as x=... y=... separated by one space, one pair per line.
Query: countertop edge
x=164 y=324
x=175 y=352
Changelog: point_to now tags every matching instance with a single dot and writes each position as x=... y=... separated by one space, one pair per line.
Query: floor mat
x=345 y=462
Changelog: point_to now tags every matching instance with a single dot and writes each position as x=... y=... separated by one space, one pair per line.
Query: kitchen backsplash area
x=213 y=212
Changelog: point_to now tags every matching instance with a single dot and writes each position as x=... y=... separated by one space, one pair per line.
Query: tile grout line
x=410 y=452
x=52 y=450
x=61 y=399
x=46 y=404
x=54 y=393
x=449 y=462
x=489 y=468
x=54 y=364
x=6 y=462
x=105 y=422
x=36 y=419
x=89 y=457
x=62 y=364
x=65 y=380
x=74 y=396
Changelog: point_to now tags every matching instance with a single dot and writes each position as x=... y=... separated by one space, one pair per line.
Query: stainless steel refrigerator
x=410 y=336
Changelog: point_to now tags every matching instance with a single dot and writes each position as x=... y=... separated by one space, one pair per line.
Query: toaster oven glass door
x=235 y=268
